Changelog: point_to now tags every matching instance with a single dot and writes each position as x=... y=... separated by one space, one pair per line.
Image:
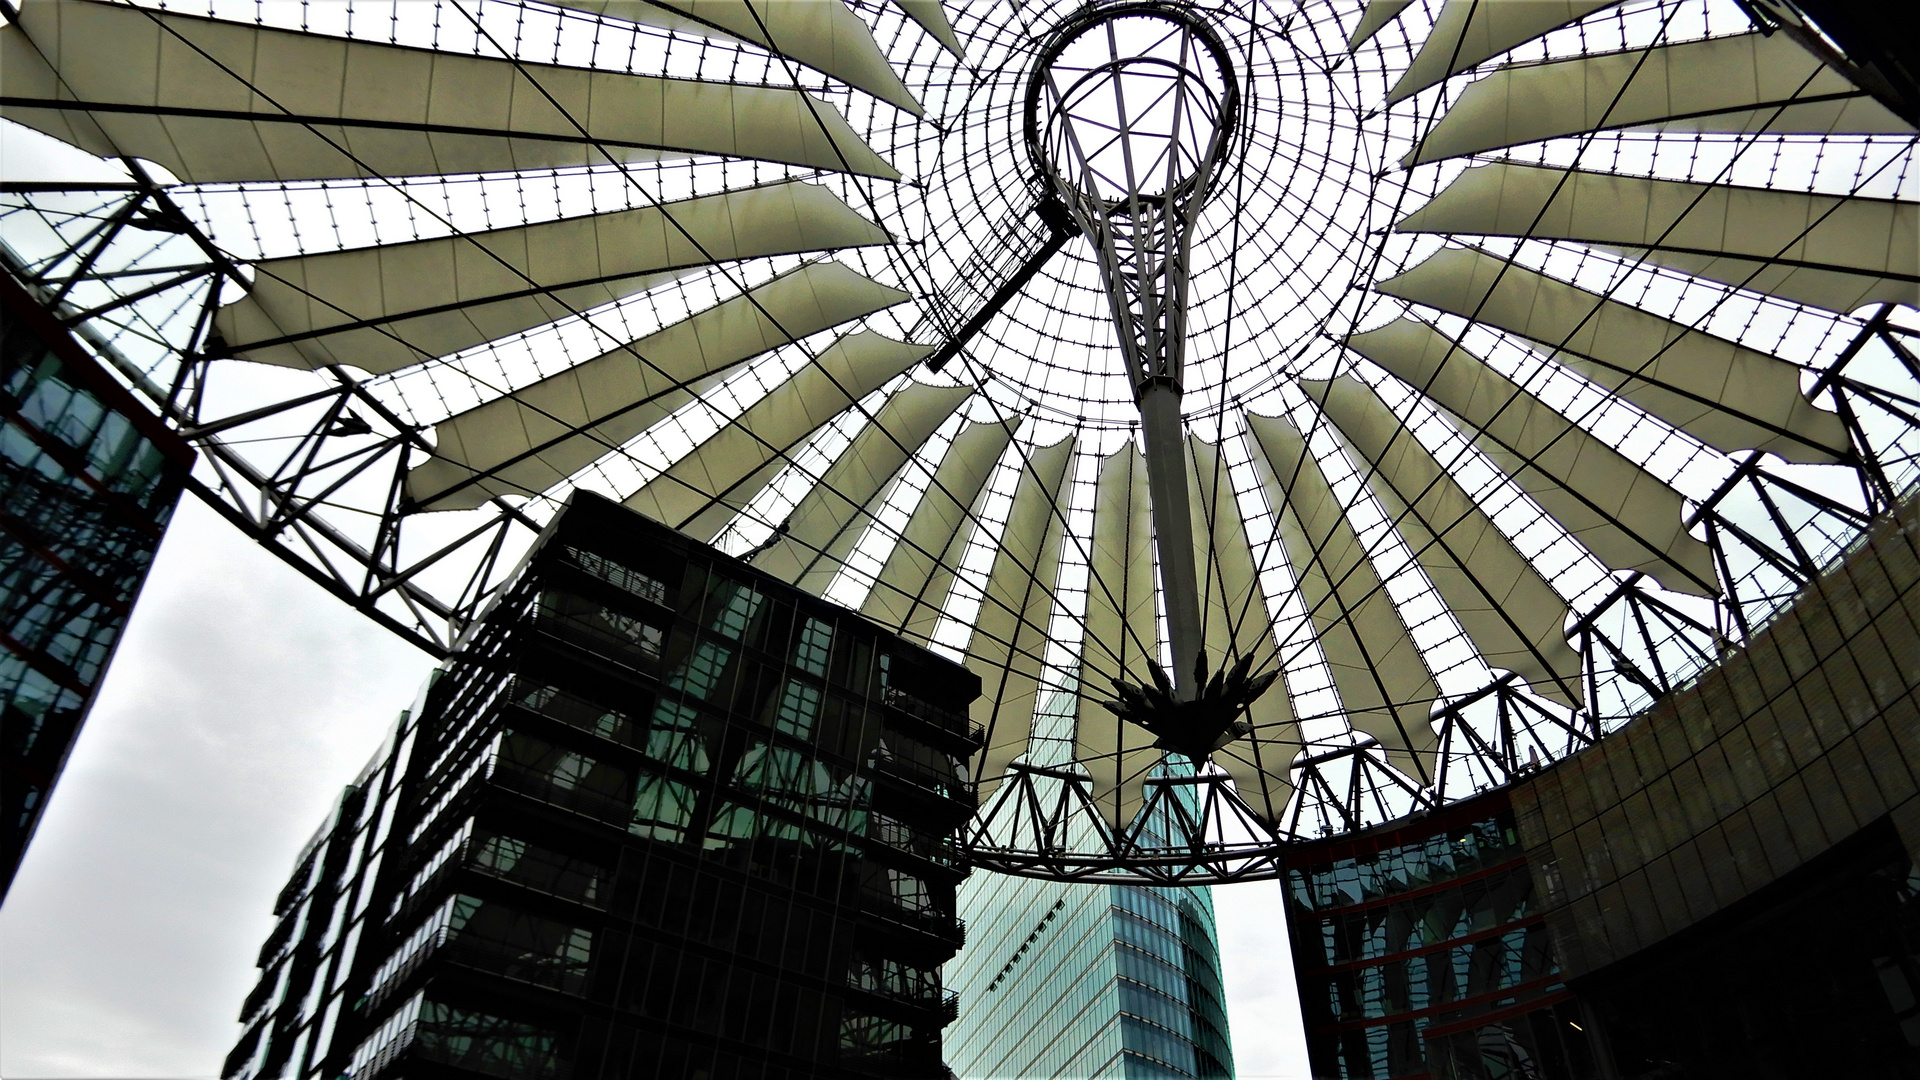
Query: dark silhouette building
x=1728 y=886
x=88 y=480
x=661 y=815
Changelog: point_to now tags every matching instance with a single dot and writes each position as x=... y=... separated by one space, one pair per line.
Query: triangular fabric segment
x=1385 y=686
x=1375 y=18
x=1827 y=251
x=1122 y=634
x=1009 y=642
x=1744 y=84
x=1510 y=613
x=1468 y=32
x=1622 y=513
x=1234 y=612
x=932 y=17
x=830 y=518
x=384 y=308
x=912 y=587
x=699 y=493
x=225 y=102
x=1730 y=397
x=822 y=34
x=540 y=434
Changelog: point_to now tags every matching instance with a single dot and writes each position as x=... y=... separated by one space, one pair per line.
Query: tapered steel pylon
x=1130 y=117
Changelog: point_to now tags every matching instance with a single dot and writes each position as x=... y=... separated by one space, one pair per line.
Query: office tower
x=661 y=815
x=88 y=479
x=1064 y=980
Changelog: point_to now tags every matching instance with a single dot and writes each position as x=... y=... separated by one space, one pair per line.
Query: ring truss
x=1533 y=354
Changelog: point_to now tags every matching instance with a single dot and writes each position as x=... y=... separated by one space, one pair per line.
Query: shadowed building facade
x=660 y=816
x=1725 y=887
x=88 y=480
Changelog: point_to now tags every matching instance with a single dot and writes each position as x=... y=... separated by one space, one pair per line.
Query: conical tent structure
x=1483 y=370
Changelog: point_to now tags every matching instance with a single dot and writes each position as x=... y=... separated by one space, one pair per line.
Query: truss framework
x=1770 y=531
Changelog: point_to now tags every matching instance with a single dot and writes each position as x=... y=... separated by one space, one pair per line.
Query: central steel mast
x=1130 y=114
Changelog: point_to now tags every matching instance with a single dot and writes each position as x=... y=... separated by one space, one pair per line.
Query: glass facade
x=660 y=816
x=1077 y=981
x=1421 y=952
x=88 y=479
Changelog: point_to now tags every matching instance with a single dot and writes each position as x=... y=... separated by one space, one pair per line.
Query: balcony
x=544 y=788
x=924 y=779
x=948 y=930
x=952 y=724
x=936 y=848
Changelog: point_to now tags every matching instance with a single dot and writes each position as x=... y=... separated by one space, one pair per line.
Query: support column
x=1166 y=452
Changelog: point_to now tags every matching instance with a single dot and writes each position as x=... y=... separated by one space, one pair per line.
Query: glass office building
x=661 y=815
x=1065 y=980
x=1421 y=952
x=88 y=479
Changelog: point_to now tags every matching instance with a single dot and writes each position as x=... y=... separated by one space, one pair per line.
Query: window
x=477 y=1042
x=662 y=804
x=816 y=641
x=538 y=868
x=621 y=577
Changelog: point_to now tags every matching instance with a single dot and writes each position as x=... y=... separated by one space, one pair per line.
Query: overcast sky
x=241 y=701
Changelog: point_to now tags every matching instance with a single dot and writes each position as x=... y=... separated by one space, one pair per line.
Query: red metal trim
x=1314 y=853
x=46 y=665
x=1425 y=950
x=1425 y=890
x=88 y=371
x=1448 y=1007
x=76 y=466
x=1519 y=1009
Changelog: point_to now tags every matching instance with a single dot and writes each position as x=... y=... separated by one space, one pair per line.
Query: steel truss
x=338 y=435
x=130 y=272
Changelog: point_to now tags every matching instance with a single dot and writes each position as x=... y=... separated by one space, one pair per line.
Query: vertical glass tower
x=1087 y=981
x=88 y=480
x=660 y=815
x=1076 y=980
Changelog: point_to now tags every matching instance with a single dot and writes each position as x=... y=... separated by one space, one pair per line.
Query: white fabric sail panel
x=1622 y=513
x=932 y=17
x=1727 y=396
x=1742 y=84
x=544 y=432
x=1122 y=635
x=229 y=102
x=1237 y=624
x=822 y=34
x=1509 y=612
x=1384 y=683
x=699 y=493
x=829 y=519
x=1009 y=642
x=387 y=307
x=912 y=587
x=1374 y=19
x=1833 y=253
x=1468 y=32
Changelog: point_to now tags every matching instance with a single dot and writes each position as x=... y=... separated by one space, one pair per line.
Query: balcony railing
x=949 y=929
x=928 y=713
x=277 y=941
x=543 y=787
x=927 y=779
x=933 y=847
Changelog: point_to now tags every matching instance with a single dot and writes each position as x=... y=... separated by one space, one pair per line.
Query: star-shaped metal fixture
x=1198 y=727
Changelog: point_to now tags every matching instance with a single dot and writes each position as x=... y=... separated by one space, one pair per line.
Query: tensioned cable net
x=1481 y=370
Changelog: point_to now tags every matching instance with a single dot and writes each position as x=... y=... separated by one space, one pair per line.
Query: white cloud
x=1263 y=1001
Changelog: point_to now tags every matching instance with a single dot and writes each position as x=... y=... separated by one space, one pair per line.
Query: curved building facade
x=1724 y=887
